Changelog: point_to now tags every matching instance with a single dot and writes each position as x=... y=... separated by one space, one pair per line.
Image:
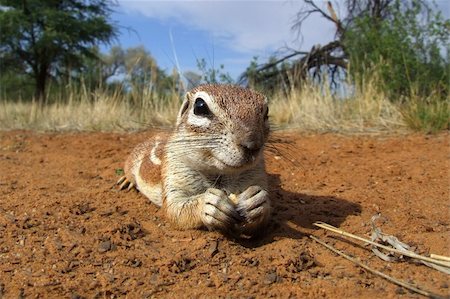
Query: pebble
x=213 y=248
x=104 y=246
x=271 y=278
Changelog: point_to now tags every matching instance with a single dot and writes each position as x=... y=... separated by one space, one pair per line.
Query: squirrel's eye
x=200 y=107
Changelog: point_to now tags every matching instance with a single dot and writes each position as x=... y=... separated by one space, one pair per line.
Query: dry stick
x=440 y=257
x=376 y=272
x=410 y=254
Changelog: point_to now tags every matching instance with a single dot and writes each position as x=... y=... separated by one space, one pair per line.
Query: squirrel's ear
x=184 y=107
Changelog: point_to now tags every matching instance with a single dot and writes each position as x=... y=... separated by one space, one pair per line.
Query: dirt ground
x=67 y=232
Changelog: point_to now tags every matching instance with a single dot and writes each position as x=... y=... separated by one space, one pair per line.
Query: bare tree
x=331 y=58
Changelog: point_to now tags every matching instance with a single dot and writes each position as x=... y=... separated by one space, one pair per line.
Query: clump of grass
x=429 y=114
x=100 y=111
x=312 y=107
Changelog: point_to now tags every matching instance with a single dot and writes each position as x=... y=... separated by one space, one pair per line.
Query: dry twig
x=406 y=285
x=378 y=235
x=329 y=227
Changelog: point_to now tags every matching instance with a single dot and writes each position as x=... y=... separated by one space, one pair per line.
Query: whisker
x=187 y=144
x=282 y=147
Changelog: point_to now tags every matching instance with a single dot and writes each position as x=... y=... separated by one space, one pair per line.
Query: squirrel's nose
x=251 y=147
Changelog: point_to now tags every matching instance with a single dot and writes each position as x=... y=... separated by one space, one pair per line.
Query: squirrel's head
x=224 y=126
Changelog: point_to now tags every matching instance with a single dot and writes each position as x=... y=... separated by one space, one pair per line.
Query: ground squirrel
x=209 y=171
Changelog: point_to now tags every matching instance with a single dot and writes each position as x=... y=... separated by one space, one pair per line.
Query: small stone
x=213 y=248
x=400 y=291
x=76 y=296
x=94 y=285
x=104 y=246
x=271 y=278
x=154 y=279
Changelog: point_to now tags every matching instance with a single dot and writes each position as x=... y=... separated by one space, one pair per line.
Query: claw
x=120 y=181
x=219 y=211
x=130 y=186
x=124 y=184
x=254 y=207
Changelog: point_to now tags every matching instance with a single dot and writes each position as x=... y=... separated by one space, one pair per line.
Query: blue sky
x=229 y=32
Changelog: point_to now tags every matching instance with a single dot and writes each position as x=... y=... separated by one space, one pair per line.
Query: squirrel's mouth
x=240 y=164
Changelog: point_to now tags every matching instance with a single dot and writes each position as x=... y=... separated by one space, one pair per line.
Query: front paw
x=219 y=212
x=254 y=207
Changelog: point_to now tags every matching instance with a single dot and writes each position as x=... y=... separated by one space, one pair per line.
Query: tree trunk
x=41 y=83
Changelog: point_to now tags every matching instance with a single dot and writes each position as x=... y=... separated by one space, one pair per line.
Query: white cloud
x=243 y=26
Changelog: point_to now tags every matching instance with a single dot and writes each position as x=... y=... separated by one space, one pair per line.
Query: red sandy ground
x=65 y=230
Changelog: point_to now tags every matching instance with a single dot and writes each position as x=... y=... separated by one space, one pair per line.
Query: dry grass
x=313 y=108
x=101 y=112
x=429 y=114
x=306 y=108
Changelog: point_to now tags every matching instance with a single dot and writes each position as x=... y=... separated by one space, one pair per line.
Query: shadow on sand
x=295 y=212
